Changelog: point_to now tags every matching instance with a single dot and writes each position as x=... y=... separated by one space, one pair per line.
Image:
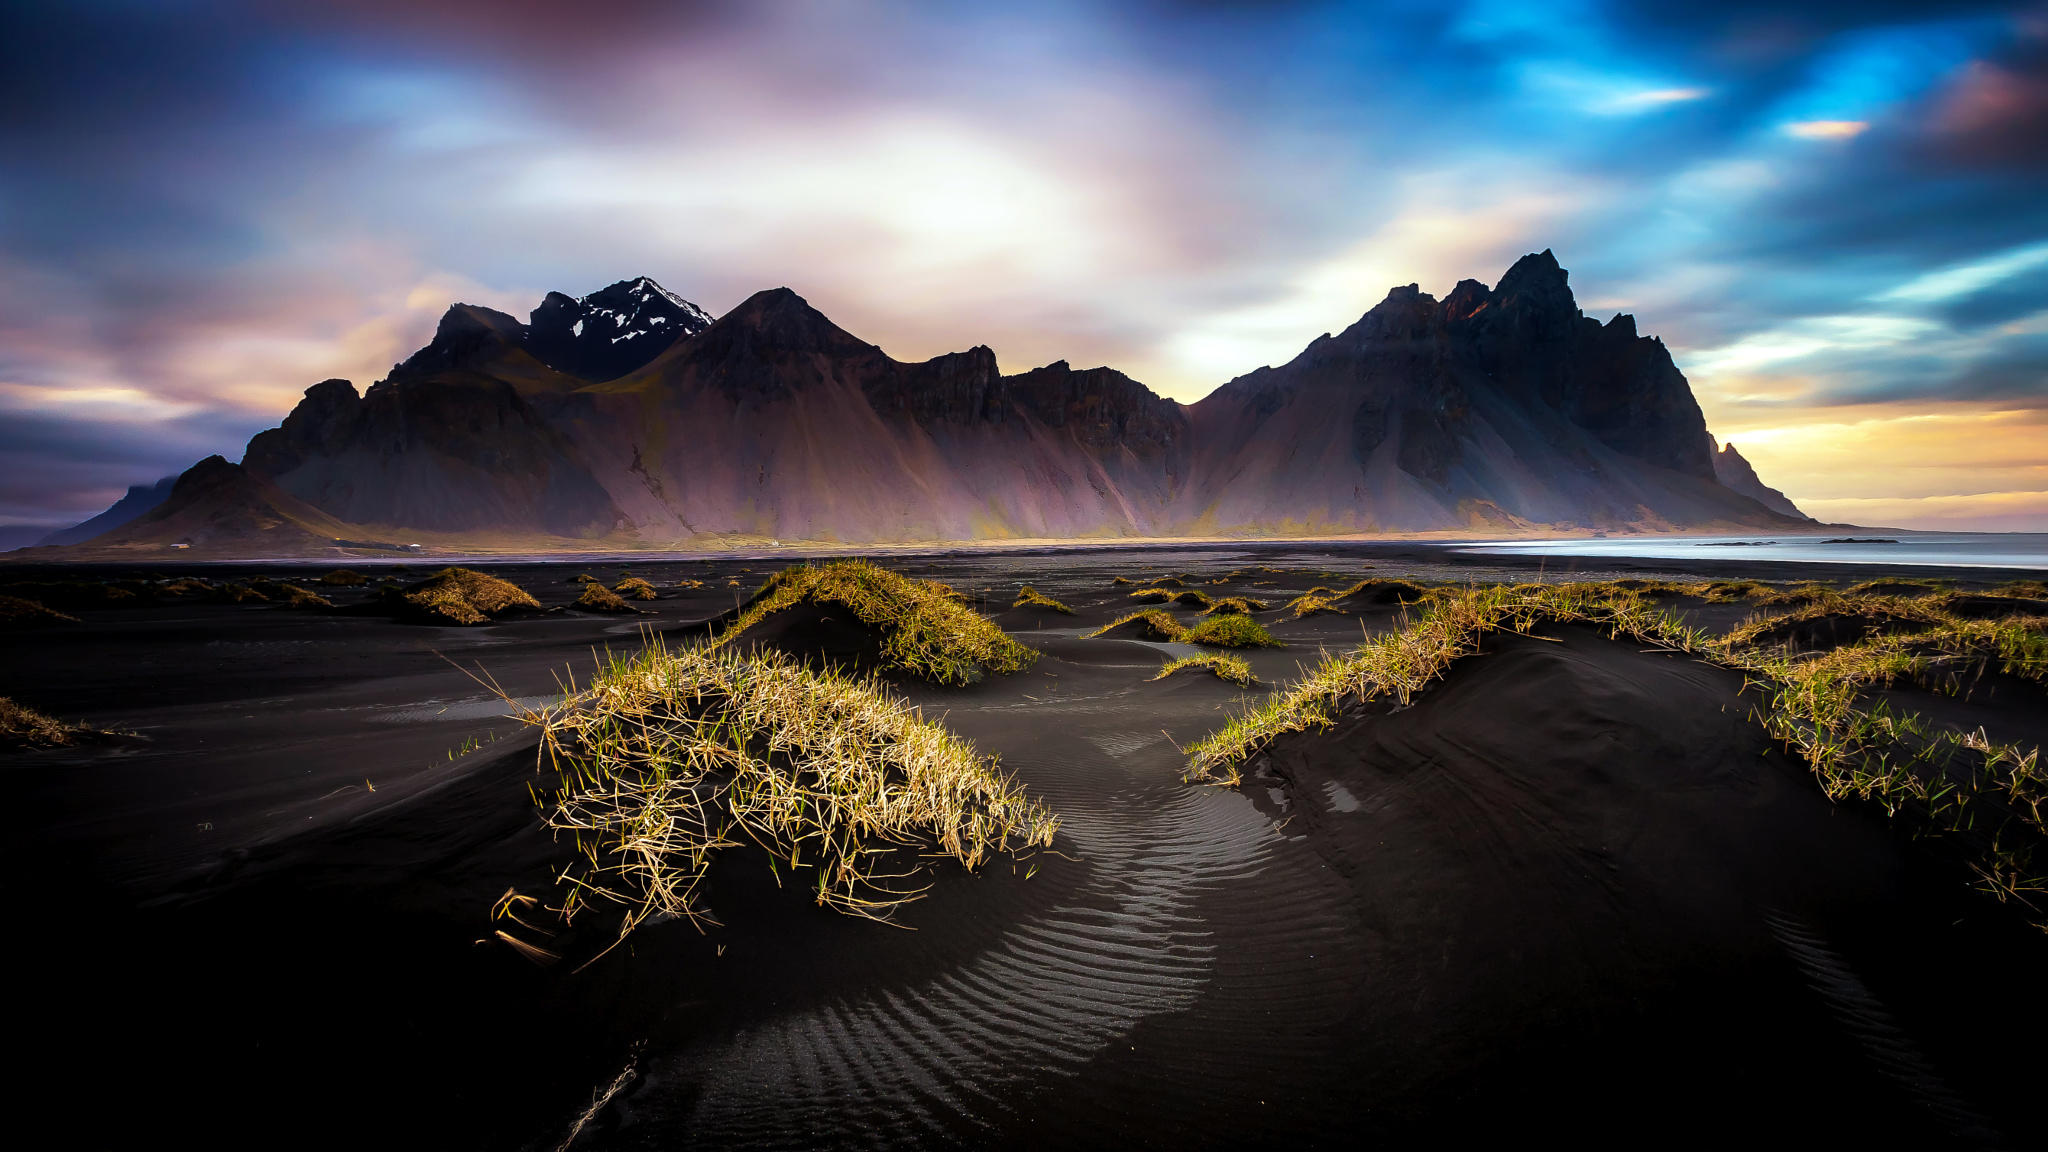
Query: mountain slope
x=1737 y=475
x=625 y=417
x=139 y=499
x=1492 y=409
x=220 y=508
x=438 y=446
x=775 y=422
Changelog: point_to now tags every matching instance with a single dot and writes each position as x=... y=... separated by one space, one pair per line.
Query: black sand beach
x=1574 y=890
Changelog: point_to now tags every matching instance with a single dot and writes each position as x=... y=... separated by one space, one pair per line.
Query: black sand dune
x=1571 y=893
x=1592 y=885
x=1994 y=607
x=1835 y=629
x=819 y=634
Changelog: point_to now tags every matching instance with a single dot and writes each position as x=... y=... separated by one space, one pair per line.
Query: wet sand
x=1572 y=890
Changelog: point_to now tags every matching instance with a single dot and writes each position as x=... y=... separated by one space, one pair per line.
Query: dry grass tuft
x=926 y=629
x=1223 y=665
x=1900 y=586
x=1033 y=597
x=1188 y=598
x=598 y=598
x=74 y=595
x=461 y=596
x=1729 y=591
x=290 y=595
x=24 y=727
x=671 y=756
x=1371 y=590
x=1151 y=624
x=1233 y=631
x=17 y=614
x=1841 y=613
x=239 y=594
x=299 y=597
x=344 y=578
x=1235 y=605
x=635 y=588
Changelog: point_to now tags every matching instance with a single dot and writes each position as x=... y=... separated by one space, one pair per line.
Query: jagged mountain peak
x=777 y=318
x=643 y=304
x=465 y=331
x=1537 y=284
x=612 y=331
x=1736 y=473
x=1405 y=313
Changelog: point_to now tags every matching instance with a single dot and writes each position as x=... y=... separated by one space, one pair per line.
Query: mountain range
x=630 y=418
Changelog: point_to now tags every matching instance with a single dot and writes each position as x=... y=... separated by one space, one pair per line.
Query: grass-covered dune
x=1987 y=800
x=858 y=612
x=674 y=755
x=1230 y=630
x=461 y=596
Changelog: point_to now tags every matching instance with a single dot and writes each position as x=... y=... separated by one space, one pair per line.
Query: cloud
x=206 y=207
x=63 y=468
x=1827 y=129
x=1994 y=114
x=1968 y=512
x=1972 y=277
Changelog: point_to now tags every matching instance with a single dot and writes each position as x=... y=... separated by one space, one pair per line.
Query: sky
x=1836 y=215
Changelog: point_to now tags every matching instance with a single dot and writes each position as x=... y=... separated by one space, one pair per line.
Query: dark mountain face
x=218 y=508
x=1100 y=407
x=1736 y=474
x=611 y=332
x=1500 y=409
x=1417 y=362
x=1493 y=408
x=453 y=451
x=1528 y=335
x=468 y=336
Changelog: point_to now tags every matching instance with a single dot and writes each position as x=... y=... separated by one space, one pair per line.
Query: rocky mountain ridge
x=628 y=418
x=1735 y=473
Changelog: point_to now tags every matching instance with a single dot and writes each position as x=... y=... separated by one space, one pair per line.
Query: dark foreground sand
x=1572 y=892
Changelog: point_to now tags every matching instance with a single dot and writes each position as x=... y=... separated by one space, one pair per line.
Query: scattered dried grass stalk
x=24 y=727
x=673 y=755
x=1223 y=665
x=16 y=612
x=1033 y=597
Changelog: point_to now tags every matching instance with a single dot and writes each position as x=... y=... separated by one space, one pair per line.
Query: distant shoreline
x=1550 y=555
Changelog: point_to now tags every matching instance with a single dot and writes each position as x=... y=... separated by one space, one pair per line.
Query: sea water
x=1879 y=549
